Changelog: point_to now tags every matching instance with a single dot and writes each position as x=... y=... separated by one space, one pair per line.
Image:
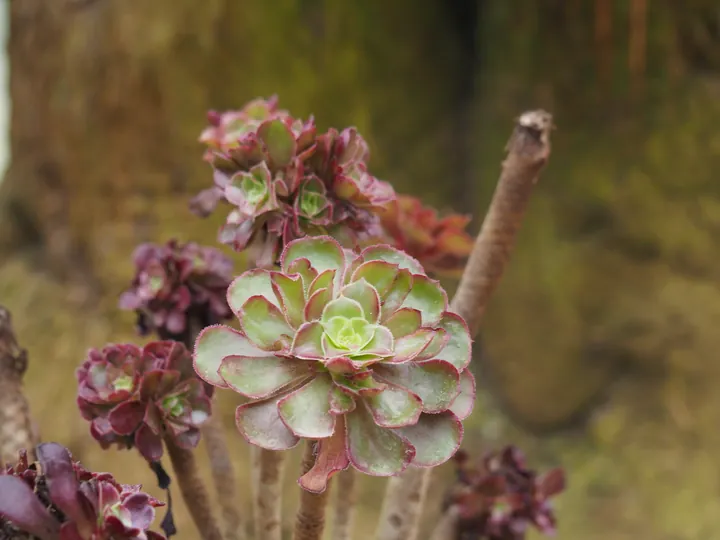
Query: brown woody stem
x=16 y=425
x=310 y=519
x=193 y=490
x=267 y=472
x=345 y=500
x=528 y=151
x=223 y=477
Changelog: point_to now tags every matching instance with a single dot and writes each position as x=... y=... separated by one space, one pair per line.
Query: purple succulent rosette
x=502 y=498
x=357 y=351
x=134 y=397
x=63 y=501
x=285 y=181
x=176 y=284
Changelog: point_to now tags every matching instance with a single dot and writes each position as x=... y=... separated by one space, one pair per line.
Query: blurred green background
x=599 y=351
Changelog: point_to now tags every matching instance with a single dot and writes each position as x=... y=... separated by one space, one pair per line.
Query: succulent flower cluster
x=501 y=498
x=135 y=397
x=175 y=284
x=286 y=181
x=60 y=500
x=357 y=351
x=440 y=244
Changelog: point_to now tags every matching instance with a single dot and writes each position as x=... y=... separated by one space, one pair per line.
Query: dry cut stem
x=310 y=519
x=345 y=500
x=267 y=471
x=16 y=425
x=528 y=151
x=223 y=476
x=193 y=490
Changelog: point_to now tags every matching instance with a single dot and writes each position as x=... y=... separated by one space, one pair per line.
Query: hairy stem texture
x=310 y=519
x=527 y=153
x=267 y=473
x=193 y=490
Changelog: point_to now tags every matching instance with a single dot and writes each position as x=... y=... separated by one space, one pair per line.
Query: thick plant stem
x=223 y=477
x=196 y=496
x=528 y=151
x=310 y=519
x=267 y=473
x=16 y=425
x=345 y=500
x=446 y=529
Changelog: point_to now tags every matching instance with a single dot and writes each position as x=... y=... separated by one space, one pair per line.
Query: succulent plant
x=176 y=284
x=502 y=498
x=134 y=397
x=357 y=351
x=440 y=244
x=63 y=501
x=285 y=181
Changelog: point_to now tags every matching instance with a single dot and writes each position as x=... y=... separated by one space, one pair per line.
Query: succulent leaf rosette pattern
x=440 y=244
x=175 y=284
x=356 y=351
x=135 y=396
x=63 y=501
x=286 y=181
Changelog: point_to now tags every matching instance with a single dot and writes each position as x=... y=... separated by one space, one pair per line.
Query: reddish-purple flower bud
x=135 y=397
x=177 y=285
x=63 y=501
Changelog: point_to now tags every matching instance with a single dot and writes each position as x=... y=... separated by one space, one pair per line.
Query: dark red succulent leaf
x=164 y=397
x=67 y=502
x=177 y=285
x=313 y=184
x=440 y=244
x=501 y=498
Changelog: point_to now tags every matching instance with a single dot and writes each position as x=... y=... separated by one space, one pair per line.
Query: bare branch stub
x=16 y=426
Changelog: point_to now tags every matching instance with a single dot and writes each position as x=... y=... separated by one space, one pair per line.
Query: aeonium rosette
x=135 y=397
x=286 y=181
x=358 y=352
x=60 y=500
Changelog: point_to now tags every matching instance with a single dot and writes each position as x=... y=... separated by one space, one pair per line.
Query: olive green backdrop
x=600 y=349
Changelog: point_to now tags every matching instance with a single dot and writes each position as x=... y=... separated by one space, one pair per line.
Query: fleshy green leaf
x=464 y=402
x=394 y=407
x=381 y=343
x=403 y=322
x=215 y=343
x=260 y=424
x=307 y=273
x=375 y=450
x=436 y=438
x=397 y=294
x=316 y=304
x=428 y=298
x=393 y=256
x=255 y=377
x=364 y=294
x=331 y=458
x=436 y=382
x=322 y=281
x=289 y=289
x=254 y=282
x=323 y=252
x=306 y=411
x=342 y=307
x=21 y=506
x=439 y=340
x=264 y=323
x=379 y=274
x=341 y=401
x=347 y=335
x=408 y=347
x=458 y=349
x=279 y=142
x=308 y=342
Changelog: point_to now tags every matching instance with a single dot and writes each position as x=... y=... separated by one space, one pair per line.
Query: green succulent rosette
x=356 y=351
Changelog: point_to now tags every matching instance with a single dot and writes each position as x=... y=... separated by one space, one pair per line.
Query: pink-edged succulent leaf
x=260 y=377
x=463 y=404
x=435 y=437
x=260 y=424
x=20 y=505
x=435 y=382
x=331 y=459
x=264 y=324
x=306 y=411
